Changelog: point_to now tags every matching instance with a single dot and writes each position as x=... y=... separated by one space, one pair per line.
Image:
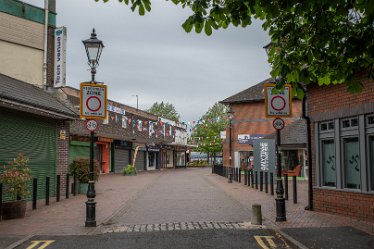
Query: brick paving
x=115 y=192
x=296 y=214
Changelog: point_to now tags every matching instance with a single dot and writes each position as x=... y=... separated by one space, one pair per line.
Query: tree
x=315 y=42
x=207 y=131
x=164 y=110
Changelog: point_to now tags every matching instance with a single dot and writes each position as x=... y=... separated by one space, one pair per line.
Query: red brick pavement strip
x=68 y=216
x=297 y=216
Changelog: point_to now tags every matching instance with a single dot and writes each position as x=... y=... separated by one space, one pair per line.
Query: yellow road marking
x=43 y=244
x=269 y=240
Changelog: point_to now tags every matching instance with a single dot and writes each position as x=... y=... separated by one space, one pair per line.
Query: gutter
x=309 y=147
x=45 y=44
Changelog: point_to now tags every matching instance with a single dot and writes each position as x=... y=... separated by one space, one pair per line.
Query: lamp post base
x=90 y=213
x=280 y=205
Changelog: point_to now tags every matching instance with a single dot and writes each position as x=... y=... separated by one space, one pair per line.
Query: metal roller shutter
x=36 y=138
x=121 y=159
x=139 y=163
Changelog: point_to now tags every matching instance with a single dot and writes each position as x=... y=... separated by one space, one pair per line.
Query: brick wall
x=249 y=118
x=62 y=163
x=330 y=102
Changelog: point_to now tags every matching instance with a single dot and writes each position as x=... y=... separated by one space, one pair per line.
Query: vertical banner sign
x=264 y=155
x=279 y=103
x=60 y=58
x=93 y=101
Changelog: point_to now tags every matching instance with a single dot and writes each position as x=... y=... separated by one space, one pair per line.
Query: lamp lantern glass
x=93 y=48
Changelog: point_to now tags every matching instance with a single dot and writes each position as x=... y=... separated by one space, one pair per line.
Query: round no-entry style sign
x=91 y=125
x=278 y=123
x=278 y=103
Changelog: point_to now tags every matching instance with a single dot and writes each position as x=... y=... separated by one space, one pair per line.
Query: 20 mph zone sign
x=278 y=104
x=93 y=101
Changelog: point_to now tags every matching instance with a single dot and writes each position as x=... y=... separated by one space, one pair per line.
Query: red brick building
x=343 y=149
x=249 y=120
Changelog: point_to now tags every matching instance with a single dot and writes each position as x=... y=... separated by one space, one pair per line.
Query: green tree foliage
x=323 y=41
x=207 y=131
x=164 y=110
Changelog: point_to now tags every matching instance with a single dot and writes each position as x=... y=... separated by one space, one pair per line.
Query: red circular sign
x=278 y=103
x=93 y=103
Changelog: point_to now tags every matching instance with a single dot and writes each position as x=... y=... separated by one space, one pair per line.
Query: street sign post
x=93 y=101
x=278 y=104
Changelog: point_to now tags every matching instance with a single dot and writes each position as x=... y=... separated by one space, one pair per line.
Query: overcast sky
x=153 y=57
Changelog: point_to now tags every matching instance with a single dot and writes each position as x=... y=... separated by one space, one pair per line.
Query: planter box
x=82 y=188
x=14 y=209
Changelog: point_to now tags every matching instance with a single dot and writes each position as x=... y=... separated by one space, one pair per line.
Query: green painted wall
x=26 y=11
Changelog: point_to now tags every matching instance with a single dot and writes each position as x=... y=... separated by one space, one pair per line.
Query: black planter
x=14 y=209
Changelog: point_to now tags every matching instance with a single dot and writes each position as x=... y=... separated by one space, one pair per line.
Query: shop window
x=370 y=120
x=328 y=163
x=351 y=162
x=327 y=126
x=371 y=162
x=349 y=123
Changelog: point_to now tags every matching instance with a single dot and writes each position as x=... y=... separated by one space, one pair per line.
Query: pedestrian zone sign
x=93 y=101
x=279 y=103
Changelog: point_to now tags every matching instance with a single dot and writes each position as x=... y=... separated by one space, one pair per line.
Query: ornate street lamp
x=93 y=48
x=230 y=115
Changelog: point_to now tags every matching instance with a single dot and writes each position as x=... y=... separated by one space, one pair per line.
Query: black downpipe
x=309 y=148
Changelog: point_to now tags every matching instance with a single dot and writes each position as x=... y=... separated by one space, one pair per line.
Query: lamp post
x=93 y=48
x=137 y=101
x=280 y=203
x=230 y=115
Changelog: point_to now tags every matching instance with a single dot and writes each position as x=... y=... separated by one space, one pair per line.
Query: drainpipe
x=45 y=44
x=309 y=147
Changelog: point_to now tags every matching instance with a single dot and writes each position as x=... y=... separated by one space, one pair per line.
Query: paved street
x=181 y=208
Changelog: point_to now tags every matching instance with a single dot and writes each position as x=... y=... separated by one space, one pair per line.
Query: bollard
x=261 y=180
x=240 y=175
x=271 y=184
x=1 y=200
x=286 y=187
x=256 y=217
x=266 y=182
x=230 y=176
x=67 y=186
x=249 y=178
x=75 y=185
x=245 y=177
x=256 y=179
x=294 y=189
x=58 y=186
x=47 y=191
x=252 y=181
x=34 y=192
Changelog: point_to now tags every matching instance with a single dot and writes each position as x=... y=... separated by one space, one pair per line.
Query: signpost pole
x=279 y=201
x=91 y=194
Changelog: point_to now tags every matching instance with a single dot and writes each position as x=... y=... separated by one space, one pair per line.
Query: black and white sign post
x=93 y=105
x=278 y=104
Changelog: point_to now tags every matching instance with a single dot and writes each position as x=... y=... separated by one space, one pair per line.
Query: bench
x=294 y=172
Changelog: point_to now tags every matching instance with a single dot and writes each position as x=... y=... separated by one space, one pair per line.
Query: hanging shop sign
x=93 y=101
x=279 y=103
x=264 y=155
x=60 y=58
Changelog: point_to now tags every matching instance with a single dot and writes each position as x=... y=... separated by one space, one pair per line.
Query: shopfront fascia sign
x=264 y=155
x=116 y=109
x=60 y=58
x=249 y=138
